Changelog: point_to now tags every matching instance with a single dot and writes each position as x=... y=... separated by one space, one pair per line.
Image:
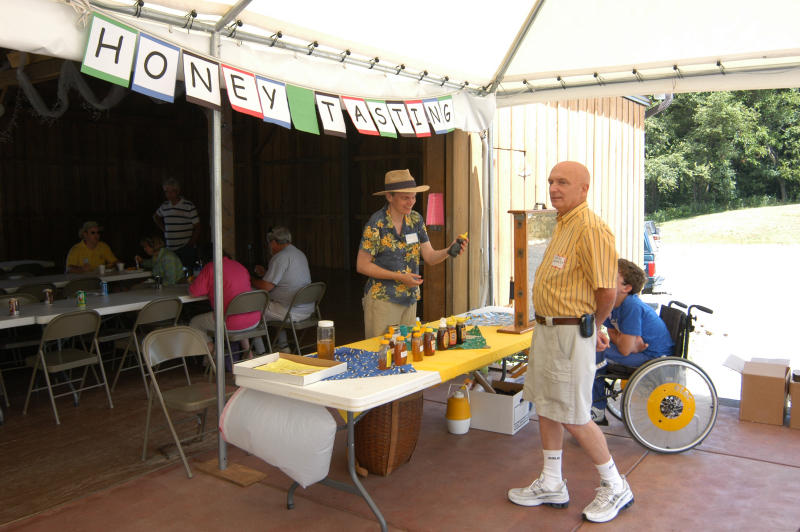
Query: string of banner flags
x=117 y=52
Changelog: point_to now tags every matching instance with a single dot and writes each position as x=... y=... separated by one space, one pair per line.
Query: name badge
x=412 y=238
x=559 y=262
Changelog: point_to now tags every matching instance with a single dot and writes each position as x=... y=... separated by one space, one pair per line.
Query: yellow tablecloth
x=454 y=362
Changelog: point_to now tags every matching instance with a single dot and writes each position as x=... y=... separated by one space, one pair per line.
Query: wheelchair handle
x=676 y=303
x=702 y=308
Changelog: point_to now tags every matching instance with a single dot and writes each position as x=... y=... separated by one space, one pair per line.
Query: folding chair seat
x=88 y=284
x=33 y=268
x=310 y=293
x=60 y=359
x=35 y=289
x=163 y=312
x=253 y=301
x=170 y=343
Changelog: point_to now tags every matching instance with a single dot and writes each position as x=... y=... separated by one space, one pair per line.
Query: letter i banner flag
x=156 y=68
x=242 y=91
x=109 y=50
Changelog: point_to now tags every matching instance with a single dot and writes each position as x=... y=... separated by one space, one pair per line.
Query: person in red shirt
x=235 y=280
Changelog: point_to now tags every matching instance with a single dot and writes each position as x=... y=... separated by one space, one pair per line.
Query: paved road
x=754 y=293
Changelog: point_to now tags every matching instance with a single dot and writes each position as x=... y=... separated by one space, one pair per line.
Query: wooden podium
x=532 y=232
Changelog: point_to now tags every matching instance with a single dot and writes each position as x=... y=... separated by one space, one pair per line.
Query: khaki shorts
x=561 y=374
x=378 y=315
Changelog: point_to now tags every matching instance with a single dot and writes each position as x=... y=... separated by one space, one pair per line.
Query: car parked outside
x=654 y=231
x=654 y=281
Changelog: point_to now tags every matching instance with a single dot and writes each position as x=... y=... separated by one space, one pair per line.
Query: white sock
x=609 y=473
x=551 y=470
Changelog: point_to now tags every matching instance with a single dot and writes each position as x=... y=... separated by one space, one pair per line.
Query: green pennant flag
x=302 y=109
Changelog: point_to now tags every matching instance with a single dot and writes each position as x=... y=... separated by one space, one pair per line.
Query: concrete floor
x=744 y=476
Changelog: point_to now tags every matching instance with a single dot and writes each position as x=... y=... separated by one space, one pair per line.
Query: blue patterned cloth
x=490 y=318
x=362 y=363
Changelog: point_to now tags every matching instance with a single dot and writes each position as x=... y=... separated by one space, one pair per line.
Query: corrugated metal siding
x=605 y=134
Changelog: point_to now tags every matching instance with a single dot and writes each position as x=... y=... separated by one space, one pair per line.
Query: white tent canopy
x=519 y=50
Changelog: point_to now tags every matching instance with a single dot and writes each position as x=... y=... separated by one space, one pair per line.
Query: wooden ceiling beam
x=37 y=72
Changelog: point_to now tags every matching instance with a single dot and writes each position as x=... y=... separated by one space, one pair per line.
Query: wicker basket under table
x=386 y=436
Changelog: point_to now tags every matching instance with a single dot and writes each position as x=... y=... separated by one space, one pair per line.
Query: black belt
x=558 y=321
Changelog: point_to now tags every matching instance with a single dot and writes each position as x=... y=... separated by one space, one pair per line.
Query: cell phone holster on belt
x=587 y=325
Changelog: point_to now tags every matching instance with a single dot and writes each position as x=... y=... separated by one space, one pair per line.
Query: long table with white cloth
x=361 y=394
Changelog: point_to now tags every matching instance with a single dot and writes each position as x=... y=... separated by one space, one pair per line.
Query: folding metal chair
x=35 y=289
x=310 y=293
x=253 y=301
x=69 y=289
x=62 y=359
x=170 y=343
x=159 y=312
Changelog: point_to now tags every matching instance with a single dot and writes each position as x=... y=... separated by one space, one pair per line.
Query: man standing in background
x=177 y=217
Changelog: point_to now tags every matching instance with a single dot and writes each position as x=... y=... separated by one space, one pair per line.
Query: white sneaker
x=599 y=416
x=536 y=494
x=607 y=503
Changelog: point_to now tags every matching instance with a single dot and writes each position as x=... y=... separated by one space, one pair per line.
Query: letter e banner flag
x=156 y=68
x=399 y=116
x=416 y=112
x=359 y=114
x=242 y=91
x=330 y=114
x=274 y=104
x=380 y=114
x=109 y=50
x=201 y=77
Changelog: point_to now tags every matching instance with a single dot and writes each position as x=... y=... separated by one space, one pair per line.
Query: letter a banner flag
x=301 y=105
x=242 y=91
x=156 y=68
x=109 y=50
x=359 y=114
x=201 y=77
x=274 y=104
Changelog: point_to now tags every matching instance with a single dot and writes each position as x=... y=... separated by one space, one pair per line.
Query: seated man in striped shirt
x=179 y=220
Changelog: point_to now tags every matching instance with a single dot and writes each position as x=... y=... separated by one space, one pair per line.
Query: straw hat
x=400 y=181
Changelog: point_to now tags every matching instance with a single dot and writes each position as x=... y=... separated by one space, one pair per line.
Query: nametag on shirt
x=559 y=262
x=412 y=238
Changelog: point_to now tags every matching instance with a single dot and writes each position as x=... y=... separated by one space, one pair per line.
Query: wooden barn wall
x=89 y=165
x=605 y=134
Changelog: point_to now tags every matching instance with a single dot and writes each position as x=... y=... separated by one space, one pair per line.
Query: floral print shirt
x=398 y=253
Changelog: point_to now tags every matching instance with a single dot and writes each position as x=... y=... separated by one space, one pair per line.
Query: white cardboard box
x=327 y=368
x=506 y=414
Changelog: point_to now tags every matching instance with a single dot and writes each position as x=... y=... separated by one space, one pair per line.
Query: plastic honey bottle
x=384 y=355
x=429 y=342
x=416 y=347
x=400 y=353
x=451 y=330
x=442 y=336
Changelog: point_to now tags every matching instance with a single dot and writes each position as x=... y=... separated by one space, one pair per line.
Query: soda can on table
x=80 y=298
x=13 y=306
x=49 y=296
x=157 y=280
x=104 y=288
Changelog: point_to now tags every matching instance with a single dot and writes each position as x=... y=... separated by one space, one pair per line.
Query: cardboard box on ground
x=765 y=383
x=794 y=393
x=505 y=412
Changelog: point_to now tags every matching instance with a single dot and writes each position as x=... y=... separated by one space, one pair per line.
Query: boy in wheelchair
x=635 y=333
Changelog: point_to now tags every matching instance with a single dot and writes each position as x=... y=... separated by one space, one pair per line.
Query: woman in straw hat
x=389 y=253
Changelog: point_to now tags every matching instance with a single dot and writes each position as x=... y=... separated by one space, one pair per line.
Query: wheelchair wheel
x=614 y=398
x=670 y=405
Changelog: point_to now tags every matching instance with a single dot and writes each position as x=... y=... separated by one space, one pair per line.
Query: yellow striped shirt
x=580 y=258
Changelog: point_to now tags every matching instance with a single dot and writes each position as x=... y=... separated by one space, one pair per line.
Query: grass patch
x=762 y=225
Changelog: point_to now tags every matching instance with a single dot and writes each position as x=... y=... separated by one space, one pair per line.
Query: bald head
x=569 y=185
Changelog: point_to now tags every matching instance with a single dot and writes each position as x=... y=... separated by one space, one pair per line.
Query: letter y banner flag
x=109 y=50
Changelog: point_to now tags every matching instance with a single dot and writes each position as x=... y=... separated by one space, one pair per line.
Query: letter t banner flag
x=330 y=114
x=109 y=50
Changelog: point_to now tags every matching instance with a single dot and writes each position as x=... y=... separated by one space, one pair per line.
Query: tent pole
x=216 y=215
x=489 y=173
x=512 y=51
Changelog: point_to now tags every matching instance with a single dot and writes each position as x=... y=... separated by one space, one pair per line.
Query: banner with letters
x=119 y=53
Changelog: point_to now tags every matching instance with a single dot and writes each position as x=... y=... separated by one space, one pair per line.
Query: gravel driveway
x=754 y=294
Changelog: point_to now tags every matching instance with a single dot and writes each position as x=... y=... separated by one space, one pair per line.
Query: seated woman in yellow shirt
x=89 y=253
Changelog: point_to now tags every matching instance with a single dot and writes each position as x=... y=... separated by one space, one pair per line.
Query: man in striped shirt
x=178 y=218
x=575 y=283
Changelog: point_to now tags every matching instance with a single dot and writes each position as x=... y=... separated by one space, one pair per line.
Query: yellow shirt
x=580 y=258
x=79 y=255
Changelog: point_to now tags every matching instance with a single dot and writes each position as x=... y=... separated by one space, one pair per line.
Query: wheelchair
x=668 y=404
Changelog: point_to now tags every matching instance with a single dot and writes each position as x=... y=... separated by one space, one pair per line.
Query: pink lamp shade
x=435 y=217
